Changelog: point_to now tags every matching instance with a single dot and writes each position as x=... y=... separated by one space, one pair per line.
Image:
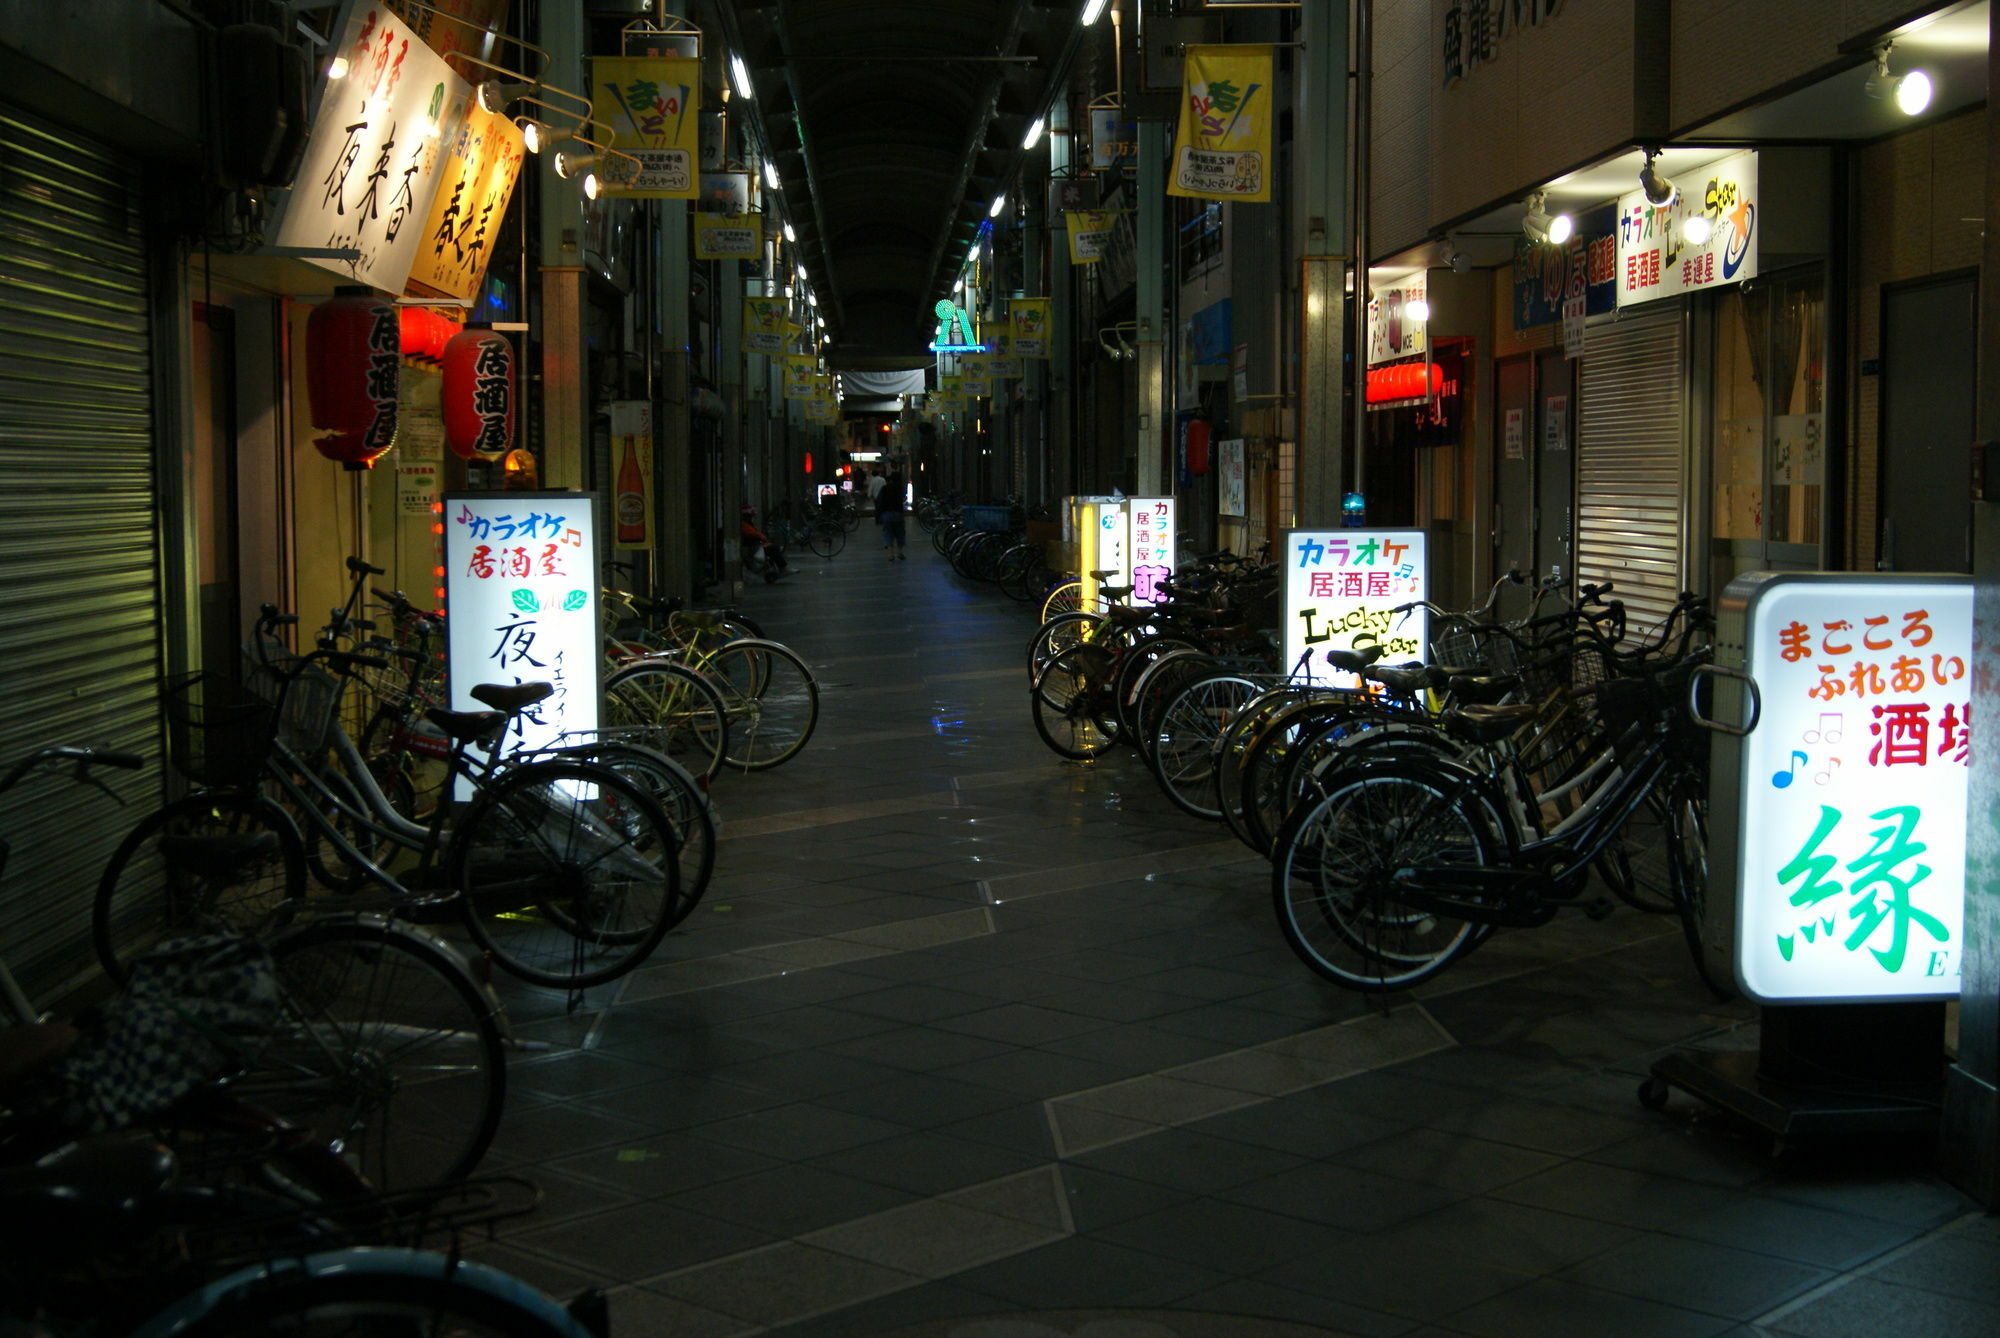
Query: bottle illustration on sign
x=631 y=498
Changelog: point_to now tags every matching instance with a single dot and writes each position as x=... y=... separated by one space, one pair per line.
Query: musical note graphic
x=1829 y=728
x=1782 y=779
x=1822 y=777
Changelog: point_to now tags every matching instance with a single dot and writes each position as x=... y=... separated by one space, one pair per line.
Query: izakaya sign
x=1656 y=256
x=1131 y=539
x=1391 y=332
x=1342 y=588
x=474 y=186
x=375 y=156
x=1851 y=867
x=521 y=590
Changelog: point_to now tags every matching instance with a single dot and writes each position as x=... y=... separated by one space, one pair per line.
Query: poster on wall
x=1229 y=485
x=1341 y=591
x=520 y=577
x=1705 y=236
x=416 y=489
x=375 y=154
x=632 y=465
x=1851 y=866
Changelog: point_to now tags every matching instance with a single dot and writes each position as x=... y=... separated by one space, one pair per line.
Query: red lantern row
x=1404 y=381
x=478 y=392
x=425 y=333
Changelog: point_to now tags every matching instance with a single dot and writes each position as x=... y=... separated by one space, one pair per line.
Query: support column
x=1149 y=476
x=729 y=488
x=565 y=425
x=1321 y=219
x=1062 y=370
x=1970 y=1141
x=672 y=412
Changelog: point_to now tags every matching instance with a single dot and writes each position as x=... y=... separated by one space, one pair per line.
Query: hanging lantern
x=479 y=392
x=1197 y=445
x=352 y=346
x=425 y=333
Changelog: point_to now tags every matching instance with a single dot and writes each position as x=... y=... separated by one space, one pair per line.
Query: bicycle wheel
x=1189 y=728
x=1132 y=666
x=218 y=860
x=1687 y=858
x=389 y=1051
x=1057 y=635
x=672 y=709
x=381 y=1291
x=1064 y=597
x=686 y=805
x=1333 y=865
x=771 y=699
x=1235 y=740
x=825 y=539
x=1071 y=702
x=567 y=871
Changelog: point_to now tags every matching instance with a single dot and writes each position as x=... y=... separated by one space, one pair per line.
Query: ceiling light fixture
x=790 y=235
x=999 y=203
x=739 y=75
x=1660 y=192
x=1911 y=92
x=1540 y=226
x=770 y=174
x=1092 y=11
x=1034 y=135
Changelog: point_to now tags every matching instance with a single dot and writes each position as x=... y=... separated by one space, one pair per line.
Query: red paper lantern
x=478 y=392
x=352 y=346
x=1197 y=445
x=425 y=333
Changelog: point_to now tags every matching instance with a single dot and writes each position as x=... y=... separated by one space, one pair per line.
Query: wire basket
x=305 y=695
x=1473 y=646
x=218 y=731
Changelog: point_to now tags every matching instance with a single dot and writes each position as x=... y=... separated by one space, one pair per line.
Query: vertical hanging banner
x=521 y=572
x=374 y=158
x=632 y=448
x=974 y=378
x=1028 y=322
x=1851 y=820
x=1089 y=234
x=728 y=236
x=652 y=104
x=1340 y=589
x=799 y=371
x=475 y=182
x=1222 y=146
x=763 y=324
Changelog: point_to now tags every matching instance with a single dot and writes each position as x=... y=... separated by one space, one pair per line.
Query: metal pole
x=1323 y=221
x=1151 y=308
x=1357 y=338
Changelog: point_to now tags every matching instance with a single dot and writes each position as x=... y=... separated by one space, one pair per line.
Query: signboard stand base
x=1822 y=1071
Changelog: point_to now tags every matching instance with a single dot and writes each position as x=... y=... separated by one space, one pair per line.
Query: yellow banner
x=1028 y=323
x=1222 y=147
x=974 y=378
x=763 y=324
x=728 y=236
x=799 y=371
x=652 y=105
x=1089 y=234
x=475 y=181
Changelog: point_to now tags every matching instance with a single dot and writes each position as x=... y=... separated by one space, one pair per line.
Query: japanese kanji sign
x=1657 y=259
x=728 y=236
x=1131 y=539
x=1341 y=591
x=1028 y=323
x=374 y=158
x=764 y=325
x=1222 y=146
x=521 y=572
x=1089 y=234
x=652 y=104
x=1851 y=859
x=475 y=182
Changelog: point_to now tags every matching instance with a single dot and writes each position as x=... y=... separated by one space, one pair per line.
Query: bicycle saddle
x=1488 y=724
x=1401 y=680
x=512 y=698
x=1353 y=661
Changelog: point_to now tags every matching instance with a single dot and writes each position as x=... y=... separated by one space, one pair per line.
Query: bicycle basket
x=305 y=695
x=218 y=732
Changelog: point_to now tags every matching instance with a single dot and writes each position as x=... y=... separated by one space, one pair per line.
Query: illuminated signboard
x=1132 y=538
x=1851 y=864
x=521 y=599
x=1340 y=589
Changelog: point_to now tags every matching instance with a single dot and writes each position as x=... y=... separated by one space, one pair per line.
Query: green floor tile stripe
x=1096 y=1118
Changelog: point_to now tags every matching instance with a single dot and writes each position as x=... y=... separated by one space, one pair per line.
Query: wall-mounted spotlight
x=1540 y=226
x=495 y=94
x=534 y=135
x=591 y=169
x=1034 y=135
x=337 y=68
x=1455 y=260
x=1696 y=230
x=1093 y=10
x=739 y=75
x=1418 y=310
x=1660 y=192
x=1911 y=91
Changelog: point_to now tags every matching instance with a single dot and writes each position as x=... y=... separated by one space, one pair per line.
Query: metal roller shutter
x=1630 y=493
x=79 y=542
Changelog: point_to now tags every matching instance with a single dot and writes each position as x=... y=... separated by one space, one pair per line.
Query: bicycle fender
x=254 y=1279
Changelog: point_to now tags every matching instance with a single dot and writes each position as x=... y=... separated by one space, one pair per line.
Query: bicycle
x=564 y=872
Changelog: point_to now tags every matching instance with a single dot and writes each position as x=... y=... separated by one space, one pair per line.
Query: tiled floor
x=969 y=1041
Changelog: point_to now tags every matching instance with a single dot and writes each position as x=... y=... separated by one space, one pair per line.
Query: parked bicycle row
x=1524 y=768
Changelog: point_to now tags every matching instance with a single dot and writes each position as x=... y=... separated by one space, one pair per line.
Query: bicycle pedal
x=1597 y=907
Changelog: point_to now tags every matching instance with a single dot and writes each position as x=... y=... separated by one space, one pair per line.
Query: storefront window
x=1769 y=476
